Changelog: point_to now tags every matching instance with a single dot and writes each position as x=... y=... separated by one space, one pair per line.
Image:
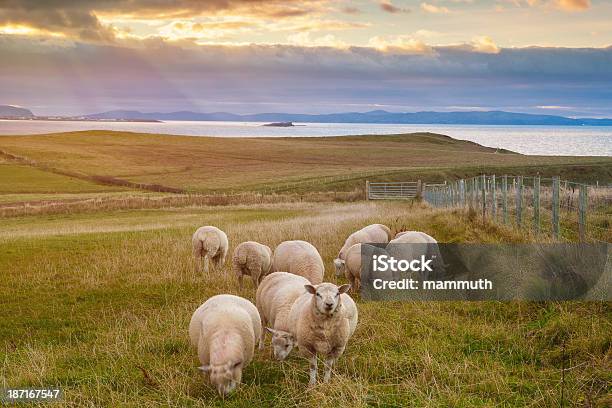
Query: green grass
x=21 y=179
x=99 y=304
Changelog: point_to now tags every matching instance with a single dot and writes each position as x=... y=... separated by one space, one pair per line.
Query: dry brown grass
x=205 y=164
x=138 y=201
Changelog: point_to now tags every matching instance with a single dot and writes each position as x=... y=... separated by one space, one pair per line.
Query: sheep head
x=340 y=266
x=282 y=343
x=225 y=377
x=326 y=297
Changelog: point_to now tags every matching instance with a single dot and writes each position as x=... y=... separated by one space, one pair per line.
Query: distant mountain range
x=15 y=111
x=377 y=116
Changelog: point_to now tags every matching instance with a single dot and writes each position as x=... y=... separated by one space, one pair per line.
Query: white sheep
x=371 y=234
x=274 y=298
x=399 y=234
x=320 y=326
x=350 y=312
x=421 y=244
x=253 y=259
x=300 y=258
x=209 y=242
x=225 y=329
x=353 y=264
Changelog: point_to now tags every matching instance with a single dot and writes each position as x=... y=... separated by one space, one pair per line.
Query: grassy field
x=21 y=179
x=205 y=164
x=99 y=304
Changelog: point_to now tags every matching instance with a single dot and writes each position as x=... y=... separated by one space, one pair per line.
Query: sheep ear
x=310 y=289
x=338 y=262
x=271 y=330
x=344 y=288
x=204 y=368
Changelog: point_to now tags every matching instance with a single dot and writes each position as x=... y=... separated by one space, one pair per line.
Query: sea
x=533 y=140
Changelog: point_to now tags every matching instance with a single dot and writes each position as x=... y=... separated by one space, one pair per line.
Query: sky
x=310 y=56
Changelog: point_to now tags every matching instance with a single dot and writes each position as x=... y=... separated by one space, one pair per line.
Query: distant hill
x=8 y=111
x=377 y=116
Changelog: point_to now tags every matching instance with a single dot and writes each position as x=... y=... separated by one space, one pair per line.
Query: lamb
x=320 y=325
x=300 y=258
x=224 y=329
x=209 y=242
x=252 y=258
x=274 y=298
x=371 y=234
x=425 y=245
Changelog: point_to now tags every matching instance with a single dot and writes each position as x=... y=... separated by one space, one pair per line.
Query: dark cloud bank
x=53 y=76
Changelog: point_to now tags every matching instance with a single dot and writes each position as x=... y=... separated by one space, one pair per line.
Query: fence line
x=563 y=209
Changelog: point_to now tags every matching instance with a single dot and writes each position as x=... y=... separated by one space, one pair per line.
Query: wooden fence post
x=536 y=204
x=555 y=207
x=419 y=193
x=519 y=201
x=582 y=211
x=493 y=197
x=484 y=197
x=367 y=191
x=469 y=194
x=505 y=198
x=476 y=193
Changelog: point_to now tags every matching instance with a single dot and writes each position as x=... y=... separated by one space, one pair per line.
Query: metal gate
x=393 y=191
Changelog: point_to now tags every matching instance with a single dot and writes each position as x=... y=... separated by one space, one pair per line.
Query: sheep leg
x=262 y=338
x=254 y=277
x=329 y=363
x=240 y=281
x=197 y=255
x=313 y=369
x=205 y=263
x=357 y=286
x=220 y=260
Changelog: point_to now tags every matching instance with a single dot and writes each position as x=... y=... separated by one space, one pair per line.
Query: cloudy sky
x=247 y=56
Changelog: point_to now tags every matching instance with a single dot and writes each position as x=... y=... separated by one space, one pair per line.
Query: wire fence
x=565 y=210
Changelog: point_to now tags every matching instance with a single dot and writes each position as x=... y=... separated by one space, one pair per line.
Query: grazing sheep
x=252 y=258
x=300 y=258
x=424 y=245
x=274 y=298
x=209 y=242
x=413 y=237
x=399 y=234
x=372 y=234
x=225 y=329
x=321 y=327
x=352 y=266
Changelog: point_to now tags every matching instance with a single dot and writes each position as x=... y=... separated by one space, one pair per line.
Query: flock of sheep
x=292 y=302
